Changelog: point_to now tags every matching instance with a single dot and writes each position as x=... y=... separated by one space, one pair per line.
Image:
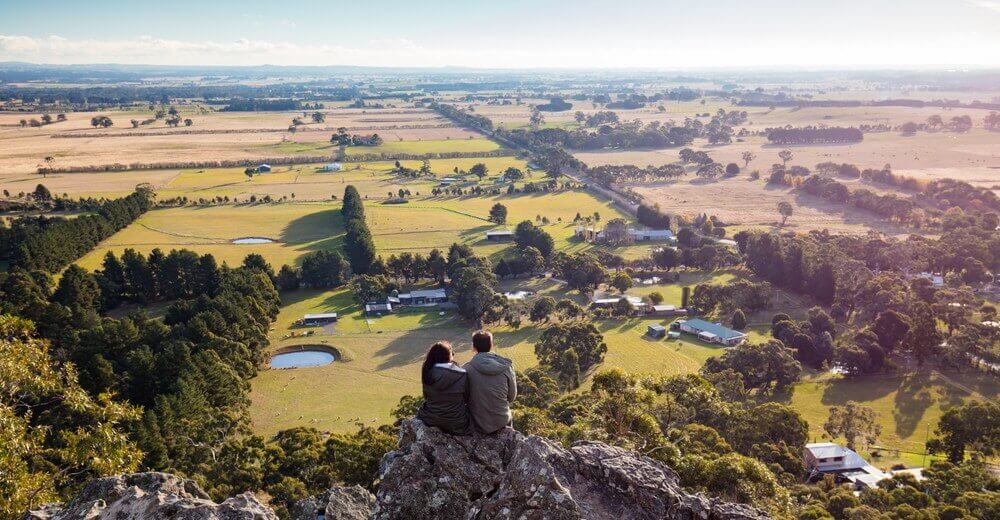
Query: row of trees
x=52 y=244
x=813 y=135
x=358 y=244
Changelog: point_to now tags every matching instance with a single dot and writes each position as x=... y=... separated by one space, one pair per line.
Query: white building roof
x=321 y=316
x=826 y=450
x=652 y=233
x=425 y=293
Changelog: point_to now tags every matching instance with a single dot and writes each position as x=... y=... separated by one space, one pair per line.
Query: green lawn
x=908 y=405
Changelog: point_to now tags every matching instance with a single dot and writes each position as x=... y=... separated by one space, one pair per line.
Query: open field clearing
x=973 y=157
x=295 y=228
x=743 y=202
x=384 y=354
x=908 y=405
x=216 y=136
x=298 y=228
x=306 y=181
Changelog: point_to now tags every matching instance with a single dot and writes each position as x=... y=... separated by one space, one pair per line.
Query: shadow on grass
x=321 y=230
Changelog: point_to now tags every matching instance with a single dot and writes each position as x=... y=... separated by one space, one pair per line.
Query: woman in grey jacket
x=446 y=388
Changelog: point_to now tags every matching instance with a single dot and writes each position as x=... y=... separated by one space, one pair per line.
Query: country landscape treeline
x=49 y=244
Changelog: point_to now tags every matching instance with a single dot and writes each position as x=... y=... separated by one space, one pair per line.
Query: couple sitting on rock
x=477 y=395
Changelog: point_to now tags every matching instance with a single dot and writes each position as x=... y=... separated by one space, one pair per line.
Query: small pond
x=253 y=240
x=303 y=358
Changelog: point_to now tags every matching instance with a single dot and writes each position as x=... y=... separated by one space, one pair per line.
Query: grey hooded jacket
x=492 y=387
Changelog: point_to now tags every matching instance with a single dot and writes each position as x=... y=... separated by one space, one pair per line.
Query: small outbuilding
x=423 y=297
x=656 y=331
x=502 y=235
x=332 y=167
x=264 y=168
x=312 y=320
x=378 y=309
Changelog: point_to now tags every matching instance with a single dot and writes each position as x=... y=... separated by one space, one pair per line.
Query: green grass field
x=908 y=405
x=385 y=354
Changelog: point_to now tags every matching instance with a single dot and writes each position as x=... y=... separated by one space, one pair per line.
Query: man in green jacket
x=492 y=386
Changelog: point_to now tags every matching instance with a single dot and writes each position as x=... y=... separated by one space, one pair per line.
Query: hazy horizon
x=520 y=34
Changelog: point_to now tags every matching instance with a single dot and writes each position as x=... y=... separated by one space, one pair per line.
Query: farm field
x=908 y=405
x=218 y=136
x=297 y=228
x=743 y=202
x=306 y=181
x=973 y=157
x=383 y=355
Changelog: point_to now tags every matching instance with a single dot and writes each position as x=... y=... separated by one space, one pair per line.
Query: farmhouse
x=500 y=236
x=423 y=297
x=647 y=235
x=332 y=167
x=823 y=458
x=710 y=332
x=264 y=168
x=311 y=320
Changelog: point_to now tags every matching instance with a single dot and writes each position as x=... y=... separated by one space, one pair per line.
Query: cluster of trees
x=627 y=135
x=342 y=138
x=611 y=174
x=527 y=234
x=177 y=386
x=604 y=117
x=742 y=295
x=46 y=119
x=102 y=121
x=889 y=206
x=653 y=216
x=812 y=135
x=556 y=104
x=866 y=281
x=358 y=244
x=462 y=117
x=180 y=274
x=261 y=105
x=991 y=122
x=52 y=244
x=524 y=260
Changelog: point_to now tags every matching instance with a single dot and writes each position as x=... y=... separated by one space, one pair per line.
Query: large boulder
x=511 y=476
x=150 y=496
x=339 y=503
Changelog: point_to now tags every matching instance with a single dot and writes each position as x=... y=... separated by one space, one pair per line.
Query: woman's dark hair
x=439 y=352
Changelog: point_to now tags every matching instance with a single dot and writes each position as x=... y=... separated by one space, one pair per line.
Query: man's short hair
x=482 y=341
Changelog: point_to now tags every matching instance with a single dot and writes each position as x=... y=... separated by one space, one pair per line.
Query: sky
x=655 y=34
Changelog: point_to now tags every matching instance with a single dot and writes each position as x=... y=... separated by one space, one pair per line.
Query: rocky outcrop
x=150 y=496
x=339 y=503
x=511 y=476
x=433 y=475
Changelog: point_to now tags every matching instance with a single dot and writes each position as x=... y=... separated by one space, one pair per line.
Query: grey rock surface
x=151 y=496
x=511 y=476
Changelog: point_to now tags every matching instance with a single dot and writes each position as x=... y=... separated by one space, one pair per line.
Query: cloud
x=992 y=5
x=245 y=51
x=969 y=49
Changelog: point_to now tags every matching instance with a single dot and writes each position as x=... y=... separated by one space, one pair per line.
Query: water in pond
x=302 y=358
x=253 y=240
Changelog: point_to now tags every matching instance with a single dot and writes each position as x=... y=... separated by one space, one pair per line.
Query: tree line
x=813 y=135
x=52 y=244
